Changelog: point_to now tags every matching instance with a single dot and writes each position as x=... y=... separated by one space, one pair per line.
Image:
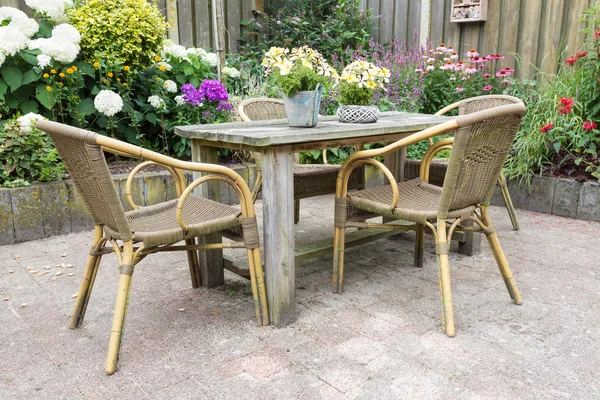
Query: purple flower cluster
x=210 y=90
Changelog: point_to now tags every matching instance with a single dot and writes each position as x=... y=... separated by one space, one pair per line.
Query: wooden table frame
x=278 y=142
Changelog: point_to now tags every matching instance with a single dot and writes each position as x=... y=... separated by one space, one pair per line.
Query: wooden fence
x=537 y=30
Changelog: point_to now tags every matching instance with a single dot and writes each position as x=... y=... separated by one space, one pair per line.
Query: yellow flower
x=61 y=75
x=124 y=83
x=96 y=64
x=105 y=81
x=48 y=88
x=110 y=74
x=70 y=70
x=127 y=68
x=118 y=79
x=46 y=76
x=162 y=68
x=157 y=58
x=74 y=67
x=52 y=71
x=60 y=83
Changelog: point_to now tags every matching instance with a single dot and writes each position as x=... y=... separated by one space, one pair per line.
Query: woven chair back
x=480 y=103
x=481 y=144
x=85 y=162
x=261 y=109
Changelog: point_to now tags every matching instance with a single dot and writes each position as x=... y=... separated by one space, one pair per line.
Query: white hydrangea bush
x=108 y=102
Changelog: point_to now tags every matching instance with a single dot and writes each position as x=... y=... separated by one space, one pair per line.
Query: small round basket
x=358 y=114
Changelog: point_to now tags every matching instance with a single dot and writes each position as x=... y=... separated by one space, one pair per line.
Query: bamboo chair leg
x=87 y=282
x=194 y=264
x=419 y=245
x=118 y=326
x=338 y=260
x=503 y=266
x=259 y=292
x=508 y=202
x=257 y=186
x=296 y=211
x=442 y=250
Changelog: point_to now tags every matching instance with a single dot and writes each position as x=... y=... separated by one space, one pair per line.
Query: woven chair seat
x=157 y=225
x=419 y=201
x=315 y=179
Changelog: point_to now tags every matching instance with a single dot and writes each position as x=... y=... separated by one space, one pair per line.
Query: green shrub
x=130 y=30
x=27 y=155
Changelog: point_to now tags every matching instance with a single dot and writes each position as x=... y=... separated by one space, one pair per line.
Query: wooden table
x=278 y=142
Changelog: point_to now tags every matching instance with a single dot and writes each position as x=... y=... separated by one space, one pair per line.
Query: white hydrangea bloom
x=175 y=50
x=170 y=86
x=164 y=64
x=19 y=20
x=12 y=40
x=156 y=102
x=232 y=72
x=43 y=60
x=27 y=120
x=179 y=100
x=53 y=9
x=211 y=58
x=2 y=58
x=68 y=32
x=108 y=102
x=57 y=47
x=197 y=52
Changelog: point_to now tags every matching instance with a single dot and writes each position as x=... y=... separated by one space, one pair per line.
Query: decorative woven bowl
x=358 y=114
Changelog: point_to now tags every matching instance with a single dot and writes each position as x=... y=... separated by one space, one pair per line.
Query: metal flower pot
x=302 y=108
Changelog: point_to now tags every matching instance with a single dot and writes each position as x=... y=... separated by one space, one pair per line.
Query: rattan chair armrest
x=448 y=108
x=175 y=173
x=444 y=144
x=346 y=170
x=188 y=190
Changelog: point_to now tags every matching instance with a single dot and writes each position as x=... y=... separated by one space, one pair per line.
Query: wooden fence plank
x=438 y=20
x=451 y=29
x=530 y=27
x=203 y=22
x=386 y=27
x=401 y=22
x=186 y=27
x=550 y=41
x=491 y=29
x=574 y=35
x=414 y=18
x=374 y=6
x=233 y=18
x=509 y=31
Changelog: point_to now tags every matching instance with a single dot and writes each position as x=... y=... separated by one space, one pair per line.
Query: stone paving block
x=155 y=188
x=589 y=202
x=566 y=197
x=540 y=196
x=7 y=230
x=27 y=213
x=55 y=208
x=137 y=190
x=78 y=214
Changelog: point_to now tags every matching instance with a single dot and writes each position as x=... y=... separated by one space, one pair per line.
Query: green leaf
x=30 y=56
x=577 y=161
x=45 y=28
x=3 y=88
x=30 y=106
x=180 y=78
x=86 y=106
x=12 y=76
x=556 y=146
x=44 y=97
x=31 y=76
x=188 y=69
x=85 y=68
x=152 y=118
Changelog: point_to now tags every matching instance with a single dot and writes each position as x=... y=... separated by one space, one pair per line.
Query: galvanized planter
x=358 y=114
x=302 y=108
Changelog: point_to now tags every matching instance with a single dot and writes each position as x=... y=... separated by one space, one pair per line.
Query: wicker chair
x=438 y=167
x=309 y=179
x=146 y=230
x=479 y=147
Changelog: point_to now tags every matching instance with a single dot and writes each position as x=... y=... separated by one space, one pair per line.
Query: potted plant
x=357 y=86
x=301 y=74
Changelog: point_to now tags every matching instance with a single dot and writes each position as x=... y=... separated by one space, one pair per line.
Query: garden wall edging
x=558 y=196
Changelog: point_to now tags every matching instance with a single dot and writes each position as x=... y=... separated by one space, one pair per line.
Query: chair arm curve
x=344 y=177
x=175 y=173
x=444 y=144
x=246 y=203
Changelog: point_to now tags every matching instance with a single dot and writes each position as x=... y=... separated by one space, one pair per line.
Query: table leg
x=278 y=222
x=211 y=261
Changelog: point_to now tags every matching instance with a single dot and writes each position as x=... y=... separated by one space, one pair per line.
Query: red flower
x=581 y=54
x=565 y=105
x=571 y=61
x=589 y=125
x=547 y=127
x=596 y=34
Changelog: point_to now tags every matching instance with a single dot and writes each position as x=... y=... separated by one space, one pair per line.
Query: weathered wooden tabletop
x=277 y=132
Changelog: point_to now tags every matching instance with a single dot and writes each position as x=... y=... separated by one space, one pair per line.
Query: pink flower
x=430 y=67
x=454 y=56
x=472 y=53
x=589 y=125
x=502 y=73
x=487 y=75
x=478 y=60
x=459 y=89
x=470 y=70
x=459 y=66
x=487 y=88
x=441 y=47
x=581 y=54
